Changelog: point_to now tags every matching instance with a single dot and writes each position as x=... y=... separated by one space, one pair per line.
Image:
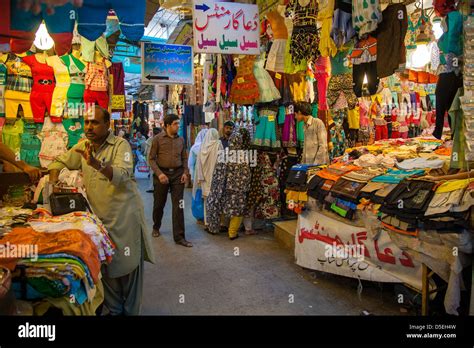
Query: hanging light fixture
x=43 y=40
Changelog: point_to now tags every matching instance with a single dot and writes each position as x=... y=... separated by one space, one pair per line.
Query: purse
x=65 y=203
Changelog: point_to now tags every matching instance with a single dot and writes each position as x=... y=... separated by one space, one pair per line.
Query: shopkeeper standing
x=107 y=165
x=315 y=150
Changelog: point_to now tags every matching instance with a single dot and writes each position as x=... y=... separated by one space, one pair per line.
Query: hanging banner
x=331 y=246
x=167 y=64
x=227 y=28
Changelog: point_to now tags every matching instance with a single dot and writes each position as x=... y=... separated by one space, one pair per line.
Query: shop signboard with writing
x=167 y=64
x=226 y=28
x=328 y=245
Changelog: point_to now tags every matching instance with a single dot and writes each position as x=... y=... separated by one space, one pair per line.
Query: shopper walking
x=169 y=162
x=106 y=162
x=205 y=165
x=149 y=142
x=194 y=151
x=230 y=186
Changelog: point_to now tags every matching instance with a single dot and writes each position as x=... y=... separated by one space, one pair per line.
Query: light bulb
x=42 y=39
x=366 y=80
x=421 y=56
x=437 y=30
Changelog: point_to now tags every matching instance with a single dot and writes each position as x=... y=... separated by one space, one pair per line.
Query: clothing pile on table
x=383 y=176
x=54 y=257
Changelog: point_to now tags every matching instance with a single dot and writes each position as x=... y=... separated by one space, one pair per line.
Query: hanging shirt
x=11 y=135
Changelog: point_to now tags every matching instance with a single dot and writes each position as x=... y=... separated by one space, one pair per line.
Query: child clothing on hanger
x=43 y=87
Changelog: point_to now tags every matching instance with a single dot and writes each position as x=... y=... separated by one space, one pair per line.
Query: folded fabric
x=364 y=175
x=421 y=163
x=369 y=160
x=394 y=176
x=74 y=242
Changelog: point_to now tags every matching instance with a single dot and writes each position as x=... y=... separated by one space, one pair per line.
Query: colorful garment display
x=266 y=132
x=54 y=141
x=267 y=90
x=304 y=44
x=25 y=23
x=276 y=56
x=244 y=90
x=18 y=89
x=30 y=145
x=366 y=15
x=77 y=72
x=43 y=87
x=63 y=82
x=93 y=13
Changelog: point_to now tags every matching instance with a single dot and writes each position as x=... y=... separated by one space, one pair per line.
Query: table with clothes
x=384 y=187
x=55 y=261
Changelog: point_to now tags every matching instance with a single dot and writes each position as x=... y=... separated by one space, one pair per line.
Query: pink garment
x=322 y=75
x=364 y=111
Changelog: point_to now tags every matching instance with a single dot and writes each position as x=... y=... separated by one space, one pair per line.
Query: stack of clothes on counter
x=387 y=178
x=56 y=257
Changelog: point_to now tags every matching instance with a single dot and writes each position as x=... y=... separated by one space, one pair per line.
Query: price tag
x=240 y=80
x=278 y=76
x=271 y=118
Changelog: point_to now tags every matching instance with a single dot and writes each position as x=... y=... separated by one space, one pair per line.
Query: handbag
x=197 y=206
x=65 y=203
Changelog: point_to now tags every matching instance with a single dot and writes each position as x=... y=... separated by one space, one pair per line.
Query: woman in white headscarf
x=193 y=153
x=206 y=163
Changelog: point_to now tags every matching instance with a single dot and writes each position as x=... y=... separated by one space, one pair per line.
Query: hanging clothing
x=88 y=48
x=366 y=15
x=276 y=56
x=63 y=82
x=364 y=60
x=118 y=86
x=337 y=133
x=17 y=89
x=24 y=24
x=54 y=141
x=265 y=134
x=267 y=90
x=42 y=89
x=75 y=93
x=30 y=145
x=91 y=22
x=321 y=74
x=11 y=135
x=391 y=51
x=75 y=130
x=342 y=30
x=244 y=90
x=327 y=47
x=304 y=43
x=288 y=136
x=3 y=82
